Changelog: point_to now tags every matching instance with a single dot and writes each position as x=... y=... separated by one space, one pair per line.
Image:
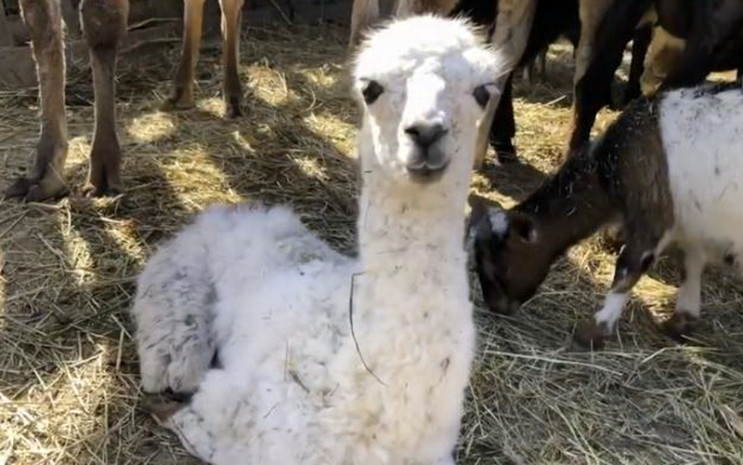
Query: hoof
x=89 y=190
x=590 y=335
x=178 y=101
x=505 y=151
x=679 y=326
x=36 y=191
x=233 y=108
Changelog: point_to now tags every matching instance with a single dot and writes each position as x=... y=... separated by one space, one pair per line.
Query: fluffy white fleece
x=275 y=303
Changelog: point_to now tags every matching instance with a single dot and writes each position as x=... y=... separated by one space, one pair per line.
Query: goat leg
x=688 y=299
x=633 y=261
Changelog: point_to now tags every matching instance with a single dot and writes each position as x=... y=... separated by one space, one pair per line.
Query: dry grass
x=68 y=372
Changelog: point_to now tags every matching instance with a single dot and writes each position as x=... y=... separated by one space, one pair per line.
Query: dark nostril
x=425 y=134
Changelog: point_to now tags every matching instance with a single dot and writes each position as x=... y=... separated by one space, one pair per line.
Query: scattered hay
x=68 y=382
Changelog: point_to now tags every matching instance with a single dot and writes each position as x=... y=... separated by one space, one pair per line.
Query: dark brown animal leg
x=104 y=24
x=503 y=128
x=640 y=44
x=46 y=180
x=634 y=260
x=593 y=89
x=715 y=25
x=231 y=25
x=183 y=84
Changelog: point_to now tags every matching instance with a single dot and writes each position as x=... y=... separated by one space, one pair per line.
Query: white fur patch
x=498 y=221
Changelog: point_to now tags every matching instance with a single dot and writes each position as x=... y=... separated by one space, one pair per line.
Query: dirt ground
x=68 y=368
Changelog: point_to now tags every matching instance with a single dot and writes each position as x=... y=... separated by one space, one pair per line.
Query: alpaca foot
x=590 y=334
x=91 y=190
x=679 y=326
x=162 y=406
x=104 y=178
x=37 y=190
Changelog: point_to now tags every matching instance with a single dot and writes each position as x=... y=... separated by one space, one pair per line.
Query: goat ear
x=523 y=227
x=478 y=210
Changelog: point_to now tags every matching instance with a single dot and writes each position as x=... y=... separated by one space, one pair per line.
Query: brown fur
x=104 y=23
x=183 y=83
x=365 y=13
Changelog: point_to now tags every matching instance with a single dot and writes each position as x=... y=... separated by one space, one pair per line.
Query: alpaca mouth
x=424 y=173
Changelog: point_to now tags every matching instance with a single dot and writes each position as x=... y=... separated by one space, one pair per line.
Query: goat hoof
x=590 y=335
x=678 y=326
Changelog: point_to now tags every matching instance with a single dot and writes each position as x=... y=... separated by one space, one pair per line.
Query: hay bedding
x=68 y=383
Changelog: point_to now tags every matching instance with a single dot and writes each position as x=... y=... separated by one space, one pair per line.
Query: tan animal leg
x=662 y=57
x=363 y=14
x=591 y=13
x=104 y=24
x=182 y=96
x=231 y=22
x=417 y=7
x=44 y=22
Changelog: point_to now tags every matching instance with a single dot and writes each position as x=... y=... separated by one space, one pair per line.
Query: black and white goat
x=671 y=167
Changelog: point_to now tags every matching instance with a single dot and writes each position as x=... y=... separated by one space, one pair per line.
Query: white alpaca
x=277 y=305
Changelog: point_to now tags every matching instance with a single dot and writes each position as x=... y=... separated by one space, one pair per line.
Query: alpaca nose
x=425 y=133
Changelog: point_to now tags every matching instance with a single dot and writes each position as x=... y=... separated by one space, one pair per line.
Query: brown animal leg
x=231 y=22
x=636 y=257
x=104 y=24
x=363 y=14
x=44 y=22
x=182 y=96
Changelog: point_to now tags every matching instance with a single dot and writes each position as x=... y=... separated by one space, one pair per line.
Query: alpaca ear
x=523 y=227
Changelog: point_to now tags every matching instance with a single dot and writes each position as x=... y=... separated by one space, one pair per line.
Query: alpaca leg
x=363 y=14
x=182 y=96
x=634 y=260
x=44 y=22
x=104 y=24
x=231 y=26
x=173 y=311
x=689 y=299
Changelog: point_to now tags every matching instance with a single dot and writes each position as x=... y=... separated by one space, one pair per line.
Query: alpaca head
x=424 y=84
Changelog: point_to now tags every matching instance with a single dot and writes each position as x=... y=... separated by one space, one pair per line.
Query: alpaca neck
x=411 y=245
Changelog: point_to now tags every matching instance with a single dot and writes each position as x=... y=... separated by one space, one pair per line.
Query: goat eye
x=371 y=91
x=482 y=95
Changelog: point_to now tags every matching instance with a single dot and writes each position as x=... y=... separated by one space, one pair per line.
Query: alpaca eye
x=482 y=95
x=371 y=91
